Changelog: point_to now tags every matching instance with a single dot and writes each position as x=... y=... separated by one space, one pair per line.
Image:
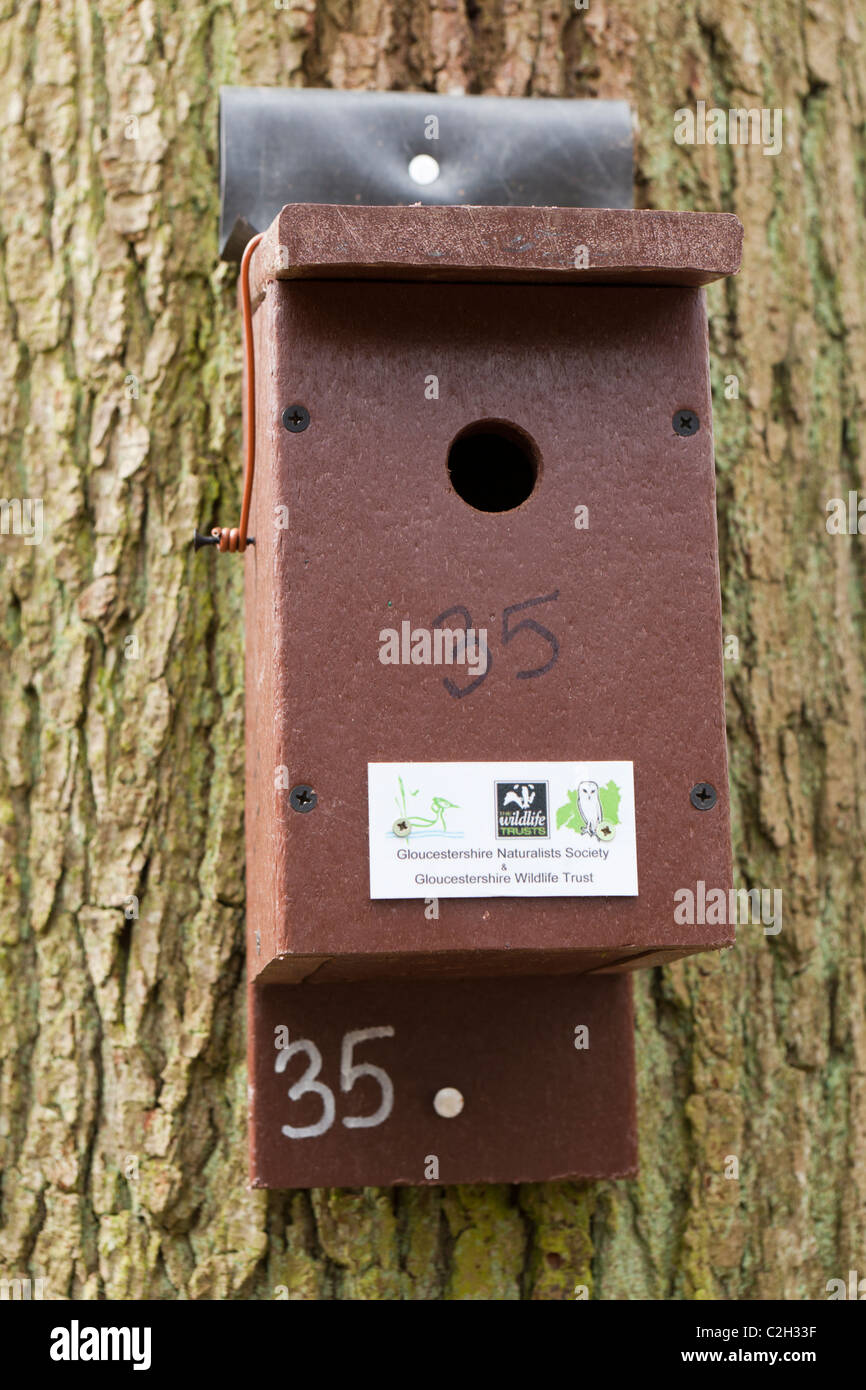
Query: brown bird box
x=485 y=712
x=551 y=363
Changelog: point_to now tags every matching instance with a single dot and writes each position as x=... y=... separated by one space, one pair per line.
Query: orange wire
x=235 y=538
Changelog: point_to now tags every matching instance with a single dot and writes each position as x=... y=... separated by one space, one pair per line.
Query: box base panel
x=545 y=1067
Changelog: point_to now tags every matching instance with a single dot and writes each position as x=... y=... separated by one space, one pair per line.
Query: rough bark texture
x=122 y=1070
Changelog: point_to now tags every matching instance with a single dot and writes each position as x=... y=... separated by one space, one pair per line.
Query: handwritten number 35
x=509 y=632
x=349 y=1073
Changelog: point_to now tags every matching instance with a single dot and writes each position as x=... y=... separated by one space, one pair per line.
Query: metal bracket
x=297 y=145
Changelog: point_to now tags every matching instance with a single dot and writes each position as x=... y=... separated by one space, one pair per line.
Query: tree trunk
x=123 y=1077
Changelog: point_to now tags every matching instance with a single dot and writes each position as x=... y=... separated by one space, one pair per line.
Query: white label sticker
x=495 y=830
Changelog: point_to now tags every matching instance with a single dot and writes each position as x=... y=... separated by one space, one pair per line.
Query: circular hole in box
x=493 y=466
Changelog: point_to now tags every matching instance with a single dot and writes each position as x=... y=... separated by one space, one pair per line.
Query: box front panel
x=598 y=598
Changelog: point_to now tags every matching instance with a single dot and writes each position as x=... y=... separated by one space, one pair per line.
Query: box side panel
x=266 y=846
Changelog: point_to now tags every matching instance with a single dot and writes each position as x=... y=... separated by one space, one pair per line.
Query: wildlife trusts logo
x=521 y=810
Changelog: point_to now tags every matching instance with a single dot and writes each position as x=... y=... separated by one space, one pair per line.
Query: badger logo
x=521 y=810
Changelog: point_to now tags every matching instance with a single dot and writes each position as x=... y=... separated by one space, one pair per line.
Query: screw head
x=296 y=418
x=703 y=796
x=686 y=422
x=302 y=798
x=401 y=827
x=448 y=1102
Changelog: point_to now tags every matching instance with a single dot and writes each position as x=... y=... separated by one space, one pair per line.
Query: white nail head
x=424 y=168
x=448 y=1102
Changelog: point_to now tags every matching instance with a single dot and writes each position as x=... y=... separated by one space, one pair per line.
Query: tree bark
x=122 y=1067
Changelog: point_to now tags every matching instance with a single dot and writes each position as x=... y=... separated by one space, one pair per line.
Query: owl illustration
x=589 y=806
